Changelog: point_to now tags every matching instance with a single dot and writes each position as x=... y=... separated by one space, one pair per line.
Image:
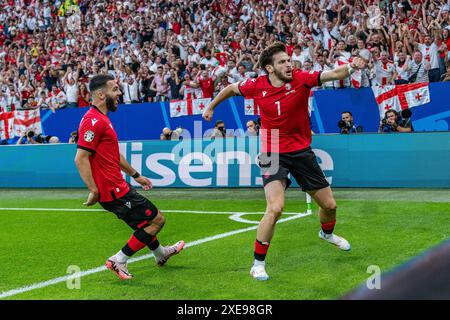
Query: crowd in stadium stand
x=178 y=49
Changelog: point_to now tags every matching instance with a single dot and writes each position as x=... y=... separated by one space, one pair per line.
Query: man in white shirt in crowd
x=130 y=89
x=56 y=98
x=430 y=53
x=209 y=60
x=70 y=81
x=385 y=72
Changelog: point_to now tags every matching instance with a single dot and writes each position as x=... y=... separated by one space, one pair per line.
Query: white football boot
x=340 y=242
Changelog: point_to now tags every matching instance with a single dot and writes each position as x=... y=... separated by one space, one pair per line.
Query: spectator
x=346 y=124
x=174 y=84
x=430 y=52
x=208 y=60
x=83 y=96
x=385 y=70
x=446 y=76
x=418 y=69
x=71 y=86
x=206 y=83
x=401 y=68
x=56 y=99
x=160 y=85
x=393 y=122
x=130 y=90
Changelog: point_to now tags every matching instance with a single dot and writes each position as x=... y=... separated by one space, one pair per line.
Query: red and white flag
x=6 y=125
x=400 y=97
x=250 y=109
x=355 y=77
x=199 y=105
x=26 y=120
x=188 y=107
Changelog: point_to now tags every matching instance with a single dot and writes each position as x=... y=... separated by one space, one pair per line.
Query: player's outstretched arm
x=84 y=168
x=228 y=92
x=129 y=170
x=344 y=71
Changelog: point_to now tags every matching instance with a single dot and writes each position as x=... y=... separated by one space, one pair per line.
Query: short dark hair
x=266 y=56
x=99 y=81
x=219 y=122
x=347 y=112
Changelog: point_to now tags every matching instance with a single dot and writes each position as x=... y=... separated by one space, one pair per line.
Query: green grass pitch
x=384 y=226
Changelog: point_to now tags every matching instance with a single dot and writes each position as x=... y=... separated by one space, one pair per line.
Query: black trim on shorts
x=84 y=148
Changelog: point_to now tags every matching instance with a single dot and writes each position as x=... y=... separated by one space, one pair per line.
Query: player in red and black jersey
x=282 y=97
x=99 y=163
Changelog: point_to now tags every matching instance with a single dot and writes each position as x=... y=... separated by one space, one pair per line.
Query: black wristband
x=136 y=175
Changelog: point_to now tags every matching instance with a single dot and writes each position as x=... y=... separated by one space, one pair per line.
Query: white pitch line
x=102 y=210
x=54 y=281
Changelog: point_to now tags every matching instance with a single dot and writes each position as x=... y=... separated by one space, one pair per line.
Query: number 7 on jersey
x=278 y=103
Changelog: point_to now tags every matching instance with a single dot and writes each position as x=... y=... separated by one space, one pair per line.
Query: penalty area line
x=54 y=281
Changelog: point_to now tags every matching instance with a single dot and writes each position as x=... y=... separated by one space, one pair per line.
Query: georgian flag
x=6 y=125
x=188 y=107
x=400 y=97
x=355 y=77
x=26 y=120
x=250 y=109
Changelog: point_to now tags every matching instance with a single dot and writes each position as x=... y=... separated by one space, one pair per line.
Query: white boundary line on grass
x=54 y=281
x=162 y=210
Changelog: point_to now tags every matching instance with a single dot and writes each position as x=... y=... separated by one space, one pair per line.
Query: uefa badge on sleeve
x=89 y=136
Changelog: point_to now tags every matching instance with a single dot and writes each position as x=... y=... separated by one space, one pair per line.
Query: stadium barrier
x=145 y=121
x=363 y=160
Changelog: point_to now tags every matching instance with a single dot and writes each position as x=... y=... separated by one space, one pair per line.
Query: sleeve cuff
x=319 y=83
x=85 y=148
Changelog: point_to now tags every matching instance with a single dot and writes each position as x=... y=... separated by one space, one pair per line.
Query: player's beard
x=111 y=103
x=281 y=76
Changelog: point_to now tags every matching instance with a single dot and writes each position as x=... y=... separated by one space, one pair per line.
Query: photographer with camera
x=346 y=124
x=168 y=134
x=31 y=137
x=219 y=130
x=395 y=122
x=73 y=137
x=253 y=128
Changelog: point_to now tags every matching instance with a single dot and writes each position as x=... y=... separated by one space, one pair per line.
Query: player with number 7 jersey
x=282 y=96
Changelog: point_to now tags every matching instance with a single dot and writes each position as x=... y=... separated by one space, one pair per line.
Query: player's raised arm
x=228 y=92
x=344 y=71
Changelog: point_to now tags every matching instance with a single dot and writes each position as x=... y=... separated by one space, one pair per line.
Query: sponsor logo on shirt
x=89 y=136
x=94 y=121
x=264 y=93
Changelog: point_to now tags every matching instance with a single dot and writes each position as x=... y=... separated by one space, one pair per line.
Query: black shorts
x=301 y=164
x=136 y=210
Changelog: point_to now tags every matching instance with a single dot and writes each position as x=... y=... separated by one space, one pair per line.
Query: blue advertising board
x=363 y=160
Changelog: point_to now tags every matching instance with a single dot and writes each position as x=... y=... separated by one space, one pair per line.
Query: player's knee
x=330 y=206
x=160 y=220
x=275 y=209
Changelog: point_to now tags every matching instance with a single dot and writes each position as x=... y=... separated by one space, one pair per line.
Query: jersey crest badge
x=288 y=86
x=89 y=136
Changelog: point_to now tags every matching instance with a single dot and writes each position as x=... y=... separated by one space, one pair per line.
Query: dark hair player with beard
x=282 y=96
x=99 y=163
